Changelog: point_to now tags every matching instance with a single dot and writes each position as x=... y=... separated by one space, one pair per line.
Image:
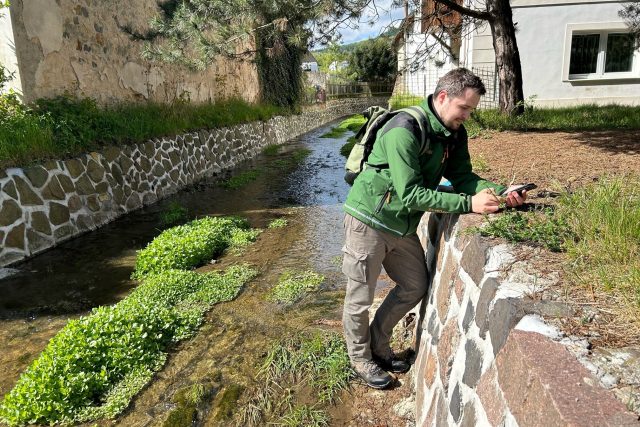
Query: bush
x=187 y=246
x=97 y=363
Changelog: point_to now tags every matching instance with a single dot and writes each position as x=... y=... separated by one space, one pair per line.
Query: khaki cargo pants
x=366 y=250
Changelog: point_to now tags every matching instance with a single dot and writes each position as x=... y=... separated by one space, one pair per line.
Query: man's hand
x=485 y=201
x=514 y=199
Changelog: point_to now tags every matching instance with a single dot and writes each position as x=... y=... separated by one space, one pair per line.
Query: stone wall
x=44 y=205
x=79 y=47
x=485 y=357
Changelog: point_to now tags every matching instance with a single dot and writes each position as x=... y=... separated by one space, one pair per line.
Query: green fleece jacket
x=399 y=184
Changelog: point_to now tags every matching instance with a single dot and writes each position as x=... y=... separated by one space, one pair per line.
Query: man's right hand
x=485 y=201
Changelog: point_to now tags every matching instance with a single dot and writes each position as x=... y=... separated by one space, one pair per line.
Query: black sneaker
x=392 y=363
x=371 y=373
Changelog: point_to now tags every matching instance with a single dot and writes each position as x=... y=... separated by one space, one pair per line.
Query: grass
x=64 y=127
x=543 y=228
x=404 y=100
x=242 y=179
x=580 y=118
x=353 y=124
x=293 y=285
x=93 y=367
x=312 y=368
x=345 y=150
x=598 y=226
x=479 y=164
x=304 y=415
x=605 y=218
x=174 y=214
x=271 y=150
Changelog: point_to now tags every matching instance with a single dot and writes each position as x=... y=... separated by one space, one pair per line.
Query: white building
x=309 y=63
x=572 y=52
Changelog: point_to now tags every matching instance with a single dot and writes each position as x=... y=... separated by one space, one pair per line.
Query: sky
x=386 y=16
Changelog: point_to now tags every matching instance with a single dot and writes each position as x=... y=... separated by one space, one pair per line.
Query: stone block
x=58 y=213
x=474 y=258
x=447 y=346
x=95 y=171
x=473 y=364
x=15 y=237
x=28 y=197
x=84 y=186
x=92 y=203
x=468 y=316
x=458 y=288
x=455 y=403
x=53 y=190
x=37 y=242
x=469 y=415
x=10 y=190
x=64 y=232
x=544 y=384
x=430 y=368
x=74 y=203
x=125 y=164
x=491 y=397
x=65 y=182
x=40 y=222
x=37 y=175
x=506 y=313
x=487 y=293
x=75 y=167
x=442 y=412
x=10 y=212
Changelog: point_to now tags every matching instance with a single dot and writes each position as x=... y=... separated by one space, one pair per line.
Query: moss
x=227 y=403
x=182 y=416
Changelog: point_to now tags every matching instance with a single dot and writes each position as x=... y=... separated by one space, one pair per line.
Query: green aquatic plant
x=278 y=223
x=293 y=285
x=94 y=366
x=190 y=245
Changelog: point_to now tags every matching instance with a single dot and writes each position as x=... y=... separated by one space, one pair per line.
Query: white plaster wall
x=7 y=51
x=541 y=40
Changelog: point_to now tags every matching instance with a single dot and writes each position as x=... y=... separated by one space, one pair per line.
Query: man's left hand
x=514 y=199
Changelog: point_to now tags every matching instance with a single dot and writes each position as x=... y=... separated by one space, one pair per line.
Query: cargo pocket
x=354 y=265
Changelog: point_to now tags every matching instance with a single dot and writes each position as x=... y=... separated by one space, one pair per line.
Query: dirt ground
x=554 y=161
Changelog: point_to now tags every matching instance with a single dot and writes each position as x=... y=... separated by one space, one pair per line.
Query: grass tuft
x=242 y=179
x=278 y=223
x=353 y=124
x=304 y=415
x=174 y=214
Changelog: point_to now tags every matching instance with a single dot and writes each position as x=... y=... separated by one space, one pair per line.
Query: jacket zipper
x=386 y=197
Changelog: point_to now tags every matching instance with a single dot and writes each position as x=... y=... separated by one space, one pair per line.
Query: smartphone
x=522 y=188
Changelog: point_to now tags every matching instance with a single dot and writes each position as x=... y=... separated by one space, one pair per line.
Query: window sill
x=612 y=79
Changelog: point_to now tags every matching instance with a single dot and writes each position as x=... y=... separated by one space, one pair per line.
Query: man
x=385 y=205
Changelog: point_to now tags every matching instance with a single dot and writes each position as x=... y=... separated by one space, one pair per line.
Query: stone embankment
x=486 y=357
x=44 y=205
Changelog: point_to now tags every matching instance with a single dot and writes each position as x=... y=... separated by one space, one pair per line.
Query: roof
x=308 y=57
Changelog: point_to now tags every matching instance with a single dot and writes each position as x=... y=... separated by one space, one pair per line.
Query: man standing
x=383 y=210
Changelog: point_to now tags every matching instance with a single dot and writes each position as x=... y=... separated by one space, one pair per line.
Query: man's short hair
x=456 y=81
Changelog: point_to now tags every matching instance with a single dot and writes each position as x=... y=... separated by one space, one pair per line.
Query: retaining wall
x=44 y=205
x=485 y=357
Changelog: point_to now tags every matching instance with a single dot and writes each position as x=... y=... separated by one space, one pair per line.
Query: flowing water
x=94 y=269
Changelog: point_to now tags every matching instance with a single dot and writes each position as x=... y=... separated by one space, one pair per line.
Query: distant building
x=572 y=52
x=309 y=63
x=338 y=65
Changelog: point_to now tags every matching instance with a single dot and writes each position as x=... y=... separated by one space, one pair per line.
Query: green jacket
x=393 y=198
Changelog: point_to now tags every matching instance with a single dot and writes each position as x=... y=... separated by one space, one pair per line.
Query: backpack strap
x=418 y=114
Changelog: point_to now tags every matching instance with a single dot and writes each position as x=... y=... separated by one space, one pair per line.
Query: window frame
x=603 y=29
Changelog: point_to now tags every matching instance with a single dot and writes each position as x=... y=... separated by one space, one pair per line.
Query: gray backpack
x=377 y=117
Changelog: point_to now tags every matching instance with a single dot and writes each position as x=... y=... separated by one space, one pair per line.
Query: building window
x=601 y=54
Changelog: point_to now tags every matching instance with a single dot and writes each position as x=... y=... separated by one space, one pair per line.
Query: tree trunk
x=507 y=57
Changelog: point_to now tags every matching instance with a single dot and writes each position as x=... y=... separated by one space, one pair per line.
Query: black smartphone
x=522 y=188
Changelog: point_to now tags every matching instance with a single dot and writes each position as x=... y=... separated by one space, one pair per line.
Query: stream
x=41 y=294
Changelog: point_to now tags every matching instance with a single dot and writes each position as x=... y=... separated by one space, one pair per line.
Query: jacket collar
x=434 y=120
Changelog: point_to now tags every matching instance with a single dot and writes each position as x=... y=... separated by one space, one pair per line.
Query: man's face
x=455 y=111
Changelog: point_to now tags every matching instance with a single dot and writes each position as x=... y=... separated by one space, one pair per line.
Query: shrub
x=96 y=363
x=188 y=245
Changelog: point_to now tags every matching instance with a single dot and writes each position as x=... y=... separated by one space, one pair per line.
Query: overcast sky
x=386 y=16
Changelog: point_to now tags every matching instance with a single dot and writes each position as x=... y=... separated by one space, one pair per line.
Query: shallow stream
x=94 y=270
